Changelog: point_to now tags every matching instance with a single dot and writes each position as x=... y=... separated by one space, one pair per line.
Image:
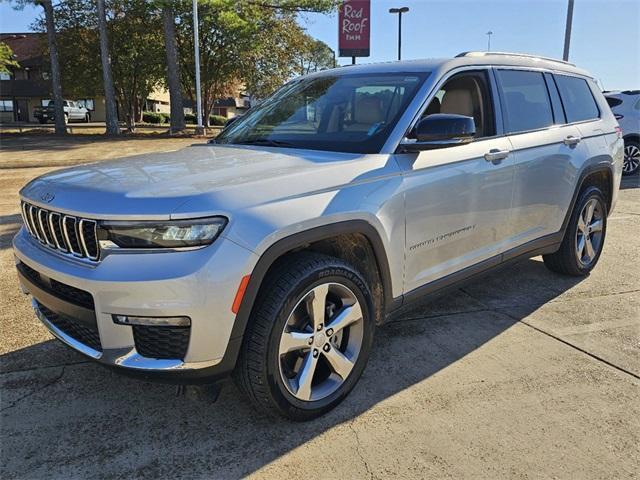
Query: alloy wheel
x=589 y=232
x=321 y=342
x=631 y=158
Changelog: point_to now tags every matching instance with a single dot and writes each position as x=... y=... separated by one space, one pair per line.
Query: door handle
x=571 y=140
x=495 y=155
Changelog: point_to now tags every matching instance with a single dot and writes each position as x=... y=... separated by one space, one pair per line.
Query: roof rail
x=509 y=54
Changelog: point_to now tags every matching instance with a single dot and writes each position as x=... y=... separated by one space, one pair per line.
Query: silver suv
x=274 y=252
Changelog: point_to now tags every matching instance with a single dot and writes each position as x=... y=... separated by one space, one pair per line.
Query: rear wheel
x=631 y=157
x=309 y=338
x=584 y=238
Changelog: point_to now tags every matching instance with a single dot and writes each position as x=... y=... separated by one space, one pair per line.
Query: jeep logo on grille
x=47 y=197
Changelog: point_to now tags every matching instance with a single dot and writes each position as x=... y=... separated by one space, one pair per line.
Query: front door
x=22 y=111
x=458 y=198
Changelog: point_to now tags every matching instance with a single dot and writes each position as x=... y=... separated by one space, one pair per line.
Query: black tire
x=566 y=259
x=631 y=158
x=258 y=371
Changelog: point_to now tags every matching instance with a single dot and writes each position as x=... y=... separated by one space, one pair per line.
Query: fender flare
x=281 y=247
x=600 y=167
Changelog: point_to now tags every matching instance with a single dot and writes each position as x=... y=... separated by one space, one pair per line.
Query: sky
x=605 y=38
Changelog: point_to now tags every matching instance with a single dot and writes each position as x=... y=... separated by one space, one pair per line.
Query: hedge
x=217 y=120
x=153 y=117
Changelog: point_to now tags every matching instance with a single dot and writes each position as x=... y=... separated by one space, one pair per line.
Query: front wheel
x=631 y=157
x=309 y=337
x=584 y=238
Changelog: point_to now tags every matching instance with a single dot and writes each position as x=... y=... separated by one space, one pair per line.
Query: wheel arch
x=302 y=240
x=600 y=175
x=632 y=136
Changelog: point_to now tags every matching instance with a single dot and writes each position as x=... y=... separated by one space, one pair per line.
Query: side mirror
x=441 y=130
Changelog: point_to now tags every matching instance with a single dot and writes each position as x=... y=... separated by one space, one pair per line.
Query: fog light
x=152 y=321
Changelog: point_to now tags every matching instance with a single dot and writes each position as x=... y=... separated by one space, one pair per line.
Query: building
x=29 y=86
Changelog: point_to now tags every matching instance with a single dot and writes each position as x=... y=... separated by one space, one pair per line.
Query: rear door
x=458 y=198
x=547 y=153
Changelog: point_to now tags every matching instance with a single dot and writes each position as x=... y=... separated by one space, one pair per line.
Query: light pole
x=399 y=11
x=489 y=33
x=196 y=43
x=567 y=31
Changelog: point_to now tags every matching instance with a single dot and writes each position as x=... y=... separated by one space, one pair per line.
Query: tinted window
x=526 y=100
x=577 y=99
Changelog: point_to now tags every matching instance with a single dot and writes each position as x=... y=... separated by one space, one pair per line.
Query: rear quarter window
x=578 y=101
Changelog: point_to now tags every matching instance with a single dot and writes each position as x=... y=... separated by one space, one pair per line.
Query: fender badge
x=47 y=197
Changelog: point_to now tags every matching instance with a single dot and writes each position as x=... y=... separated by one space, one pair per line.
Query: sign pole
x=196 y=43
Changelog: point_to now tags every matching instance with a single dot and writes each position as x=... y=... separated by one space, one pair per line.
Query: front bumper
x=200 y=284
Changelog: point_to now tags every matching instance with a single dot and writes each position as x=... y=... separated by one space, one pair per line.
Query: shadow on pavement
x=76 y=419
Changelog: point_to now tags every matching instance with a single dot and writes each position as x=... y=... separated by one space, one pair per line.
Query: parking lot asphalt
x=523 y=374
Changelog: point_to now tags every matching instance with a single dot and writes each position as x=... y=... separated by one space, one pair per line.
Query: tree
x=56 y=83
x=250 y=43
x=136 y=65
x=173 y=70
x=313 y=55
x=109 y=93
x=6 y=58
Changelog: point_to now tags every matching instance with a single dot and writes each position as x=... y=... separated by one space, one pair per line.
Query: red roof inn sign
x=354 y=28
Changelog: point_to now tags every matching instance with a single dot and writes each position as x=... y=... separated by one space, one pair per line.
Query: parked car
x=72 y=111
x=626 y=108
x=274 y=253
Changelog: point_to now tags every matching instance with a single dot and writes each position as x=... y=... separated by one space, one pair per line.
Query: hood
x=198 y=180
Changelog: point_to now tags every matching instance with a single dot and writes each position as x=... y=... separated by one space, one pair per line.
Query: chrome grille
x=64 y=233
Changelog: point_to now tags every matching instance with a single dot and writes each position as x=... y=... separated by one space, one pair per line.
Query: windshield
x=345 y=113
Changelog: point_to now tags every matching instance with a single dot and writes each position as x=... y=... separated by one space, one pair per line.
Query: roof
x=232 y=102
x=27 y=48
x=463 y=60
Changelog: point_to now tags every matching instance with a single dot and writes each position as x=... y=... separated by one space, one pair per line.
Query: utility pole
x=567 y=31
x=399 y=11
x=196 y=42
x=489 y=33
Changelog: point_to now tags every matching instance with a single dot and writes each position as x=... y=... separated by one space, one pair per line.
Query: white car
x=626 y=108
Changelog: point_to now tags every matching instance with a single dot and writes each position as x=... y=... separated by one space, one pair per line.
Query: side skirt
x=544 y=245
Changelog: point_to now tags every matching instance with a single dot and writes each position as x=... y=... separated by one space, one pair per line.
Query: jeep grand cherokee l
x=273 y=253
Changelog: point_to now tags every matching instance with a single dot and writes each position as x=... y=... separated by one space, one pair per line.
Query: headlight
x=169 y=234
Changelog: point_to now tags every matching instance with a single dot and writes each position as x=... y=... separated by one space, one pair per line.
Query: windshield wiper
x=267 y=142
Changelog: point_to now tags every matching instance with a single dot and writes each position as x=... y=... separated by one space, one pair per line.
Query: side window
x=577 y=99
x=466 y=94
x=526 y=100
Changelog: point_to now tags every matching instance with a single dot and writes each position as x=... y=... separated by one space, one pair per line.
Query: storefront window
x=6 y=105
